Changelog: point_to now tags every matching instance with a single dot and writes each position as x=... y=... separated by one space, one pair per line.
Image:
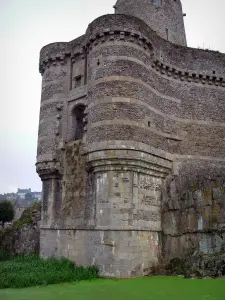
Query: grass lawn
x=146 y=288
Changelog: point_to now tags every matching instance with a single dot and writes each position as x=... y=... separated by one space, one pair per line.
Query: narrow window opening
x=167 y=34
x=77 y=81
x=78 y=115
x=149 y=124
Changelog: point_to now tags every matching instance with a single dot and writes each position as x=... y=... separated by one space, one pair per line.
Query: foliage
x=177 y=266
x=158 y=269
x=2 y=197
x=6 y=212
x=157 y=288
x=3 y=256
x=20 y=222
x=31 y=215
x=30 y=270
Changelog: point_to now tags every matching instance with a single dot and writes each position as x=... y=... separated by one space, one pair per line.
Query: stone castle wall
x=194 y=209
x=163 y=16
x=153 y=130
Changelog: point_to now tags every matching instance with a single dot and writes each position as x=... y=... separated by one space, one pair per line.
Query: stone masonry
x=131 y=147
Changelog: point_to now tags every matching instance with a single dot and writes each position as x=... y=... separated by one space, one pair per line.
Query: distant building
x=22 y=192
x=10 y=196
x=18 y=212
x=36 y=196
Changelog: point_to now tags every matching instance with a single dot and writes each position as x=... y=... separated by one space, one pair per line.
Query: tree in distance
x=6 y=212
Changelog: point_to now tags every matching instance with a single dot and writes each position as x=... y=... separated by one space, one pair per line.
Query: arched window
x=79 y=124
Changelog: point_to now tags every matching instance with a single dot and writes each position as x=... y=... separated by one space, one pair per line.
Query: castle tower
x=163 y=16
x=131 y=126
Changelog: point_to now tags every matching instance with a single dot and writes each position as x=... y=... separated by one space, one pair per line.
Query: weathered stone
x=131 y=142
x=23 y=237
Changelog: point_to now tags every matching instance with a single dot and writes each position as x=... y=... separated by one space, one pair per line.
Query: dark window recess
x=167 y=34
x=77 y=81
x=149 y=124
x=79 y=120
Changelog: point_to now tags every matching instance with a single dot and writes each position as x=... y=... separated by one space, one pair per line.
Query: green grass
x=147 y=288
x=26 y=271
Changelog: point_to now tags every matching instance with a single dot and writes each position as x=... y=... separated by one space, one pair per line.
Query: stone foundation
x=116 y=253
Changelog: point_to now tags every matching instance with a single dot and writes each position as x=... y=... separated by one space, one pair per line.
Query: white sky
x=26 y=26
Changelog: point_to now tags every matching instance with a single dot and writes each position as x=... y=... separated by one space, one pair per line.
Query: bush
x=27 y=271
x=177 y=266
x=6 y=212
x=3 y=256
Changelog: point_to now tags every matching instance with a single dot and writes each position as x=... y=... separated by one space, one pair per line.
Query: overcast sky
x=26 y=26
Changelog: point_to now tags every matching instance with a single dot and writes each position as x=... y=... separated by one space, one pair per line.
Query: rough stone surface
x=145 y=182
x=23 y=237
x=163 y=16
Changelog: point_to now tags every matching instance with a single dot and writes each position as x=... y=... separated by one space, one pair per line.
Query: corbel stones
x=188 y=76
x=48 y=169
x=58 y=59
x=119 y=34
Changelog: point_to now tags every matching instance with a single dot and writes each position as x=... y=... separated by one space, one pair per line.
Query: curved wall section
x=127 y=182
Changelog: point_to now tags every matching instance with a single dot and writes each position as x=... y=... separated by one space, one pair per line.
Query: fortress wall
x=147 y=113
x=195 y=60
x=56 y=67
x=177 y=110
x=54 y=91
x=126 y=183
x=117 y=253
x=194 y=208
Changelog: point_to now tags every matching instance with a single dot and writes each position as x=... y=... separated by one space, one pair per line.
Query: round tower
x=163 y=16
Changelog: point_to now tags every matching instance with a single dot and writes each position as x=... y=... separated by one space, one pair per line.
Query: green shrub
x=20 y=222
x=177 y=266
x=26 y=271
x=3 y=256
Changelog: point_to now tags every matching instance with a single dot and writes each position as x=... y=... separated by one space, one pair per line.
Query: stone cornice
x=119 y=34
x=135 y=37
x=48 y=169
x=59 y=59
x=117 y=160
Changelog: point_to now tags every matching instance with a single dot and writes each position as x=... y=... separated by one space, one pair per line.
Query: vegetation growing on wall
x=22 y=237
x=199 y=265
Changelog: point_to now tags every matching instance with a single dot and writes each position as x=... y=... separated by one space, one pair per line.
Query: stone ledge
x=136 y=124
x=106 y=228
x=128 y=145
